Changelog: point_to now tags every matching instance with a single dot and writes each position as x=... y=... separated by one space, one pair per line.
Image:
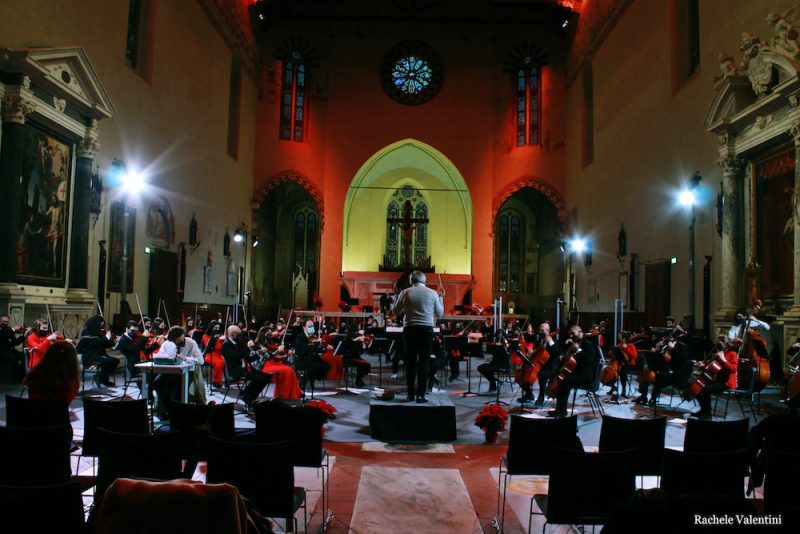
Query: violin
x=568 y=366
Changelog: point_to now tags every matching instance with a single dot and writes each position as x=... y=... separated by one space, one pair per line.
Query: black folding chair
x=780 y=481
x=704 y=473
x=127 y=416
x=49 y=508
x=23 y=412
x=262 y=472
x=715 y=436
x=645 y=435
x=35 y=456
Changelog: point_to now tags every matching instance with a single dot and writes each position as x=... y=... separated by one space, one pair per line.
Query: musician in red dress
x=212 y=354
x=287 y=386
x=38 y=341
x=57 y=375
x=725 y=379
x=626 y=354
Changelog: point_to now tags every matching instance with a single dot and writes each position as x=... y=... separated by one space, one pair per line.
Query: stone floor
x=377 y=487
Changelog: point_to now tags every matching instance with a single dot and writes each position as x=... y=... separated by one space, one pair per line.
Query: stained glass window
x=294 y=103
x=509 y=253
x=392 y=249
x=305 y=244
x=406 y=203
x=412 y=74
x=528 y=103
x=421 y=235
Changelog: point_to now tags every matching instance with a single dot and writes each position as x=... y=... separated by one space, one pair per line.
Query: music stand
x=460 y=343
x=653 y=360
x=379 y=345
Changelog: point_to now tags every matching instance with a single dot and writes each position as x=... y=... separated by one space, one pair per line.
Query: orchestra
x=298 y=356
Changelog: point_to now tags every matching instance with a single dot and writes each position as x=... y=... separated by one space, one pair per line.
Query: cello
x=568 y=365
x=753 y=357
x=532 y=363
x=709 y=371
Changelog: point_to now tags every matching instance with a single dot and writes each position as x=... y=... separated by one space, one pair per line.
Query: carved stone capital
x=731 y=165
x=794 y=132
x=89 y=145
x=17 y=108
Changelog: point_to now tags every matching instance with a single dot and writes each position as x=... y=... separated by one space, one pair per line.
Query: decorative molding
x=731 y=165
x=231 y=20
x=89 y=145
x=595 y=21
x=292 y=176
x=17 y=108
x=794 y=132
x=543 y=187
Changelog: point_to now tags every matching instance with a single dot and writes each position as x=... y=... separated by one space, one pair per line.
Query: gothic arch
x=534 y=183
x=291 y=176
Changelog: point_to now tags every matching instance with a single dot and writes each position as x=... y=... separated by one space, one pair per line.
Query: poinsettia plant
x=317 y=303
x=344 y=306
x=492 y=417
x=328 y=410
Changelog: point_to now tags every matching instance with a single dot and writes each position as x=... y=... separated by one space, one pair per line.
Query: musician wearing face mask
x=549 y=369
x=92 y=346
x=673 y=369
x=308 y=356
x=236 y=351
x=127 y=345
x=272 y=362
x=38 y=342
x=585 y=354
x=212 y=352
x=725 y=353
x=10 y=339
x=352 y=348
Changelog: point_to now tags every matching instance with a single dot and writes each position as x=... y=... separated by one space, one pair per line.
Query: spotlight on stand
x=255 y=240
x=238 y=235
x=577 y=244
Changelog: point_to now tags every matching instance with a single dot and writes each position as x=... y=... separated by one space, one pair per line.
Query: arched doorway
x=288 y=223
x=528 y=262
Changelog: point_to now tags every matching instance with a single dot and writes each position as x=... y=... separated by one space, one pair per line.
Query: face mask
x=280 y=327
x=43 y=330
x=739 y=320
x=310 y=330
x=541 y=335
x=720 y=346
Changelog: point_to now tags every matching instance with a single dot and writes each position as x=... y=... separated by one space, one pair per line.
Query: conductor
x=421 y=306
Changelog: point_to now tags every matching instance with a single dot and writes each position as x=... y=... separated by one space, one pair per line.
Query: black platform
x=432 y=422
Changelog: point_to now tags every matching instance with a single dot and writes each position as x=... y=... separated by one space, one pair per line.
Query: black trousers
x=105 y=363
x=704 y=398
x=15 y=364
x=419 y=343
x=570 y=383
x=399 y=354
x=130 y=363
x=362 y=367
x=546 y=373
x=488 y=370
x=315 y=368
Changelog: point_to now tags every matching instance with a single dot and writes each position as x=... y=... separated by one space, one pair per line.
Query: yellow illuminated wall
x=445 y=192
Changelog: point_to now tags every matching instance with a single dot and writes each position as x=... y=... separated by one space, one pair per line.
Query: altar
x=368 y=287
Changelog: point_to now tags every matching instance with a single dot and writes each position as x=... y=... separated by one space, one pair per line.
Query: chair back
x=126 y=416
x=30 y=413
x=573 y=497
x=196 y=421
x=51 y=508
x=715 y=436
x=27 y=359
x=704 y=473
x=35 y=456
x=302 y=425
x=121 y=455
x=780 y=481
x=531 y=443
x=262 y=472
x=645 y=435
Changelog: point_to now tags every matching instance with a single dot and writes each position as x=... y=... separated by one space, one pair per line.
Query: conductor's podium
x=397 y=421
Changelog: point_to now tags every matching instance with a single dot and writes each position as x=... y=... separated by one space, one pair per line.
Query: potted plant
x=317 y=303
x=327 y=410
x=492 y=419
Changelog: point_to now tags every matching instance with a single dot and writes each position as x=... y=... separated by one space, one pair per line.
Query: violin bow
x=100 y=309
x=286 y=328
x=49 y=319
x=139 y=305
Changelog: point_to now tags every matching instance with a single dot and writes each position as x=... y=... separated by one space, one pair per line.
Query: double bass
x=753 y=356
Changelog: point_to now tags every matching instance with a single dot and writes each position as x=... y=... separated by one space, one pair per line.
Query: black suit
x=235 y=355
x=583 y=375
x=131 y=350
x=308 y=359
x=548 y=370
x=8 y=341
x=676 y=372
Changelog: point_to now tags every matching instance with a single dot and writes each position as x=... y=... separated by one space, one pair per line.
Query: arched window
x=406 y=231
x=297 y=62
x=510 y=252
x=529 y=98
x=305 y=244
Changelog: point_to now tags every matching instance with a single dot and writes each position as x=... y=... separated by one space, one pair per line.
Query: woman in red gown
x=213 y=353
x=287 y=387
x=56 y=376
x=336 y=372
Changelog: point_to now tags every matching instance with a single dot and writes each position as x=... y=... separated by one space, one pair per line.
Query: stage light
x=255 y=240
x=238 y=235
x=565 y=23
x=133 y=182
x=687 y=198
x=577 y=244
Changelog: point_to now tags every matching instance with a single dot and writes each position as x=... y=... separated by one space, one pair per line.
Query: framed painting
x=115 y=252
x=48 y=170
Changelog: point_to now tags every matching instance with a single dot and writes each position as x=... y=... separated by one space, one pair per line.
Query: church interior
x=599 y=198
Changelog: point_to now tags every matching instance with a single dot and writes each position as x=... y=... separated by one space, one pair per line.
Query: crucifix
x=407 y=223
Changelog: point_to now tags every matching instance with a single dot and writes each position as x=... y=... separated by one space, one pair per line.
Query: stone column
x=79 y=231
x=731 y=263
x=794 y=132
x=17 y=105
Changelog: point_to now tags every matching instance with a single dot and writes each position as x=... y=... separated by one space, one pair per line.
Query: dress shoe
x=421 y=399
x=109 y=384
x=557 y=413
x=641 y=399
x=492 y=388
x=360 y=383
x=410 y=398
x=526 y=397
x=435 y=381
x=539 y=402
x=702 y=414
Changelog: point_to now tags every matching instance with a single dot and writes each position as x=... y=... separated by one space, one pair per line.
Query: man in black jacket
x=585 y=355
x=9 y=340
x=92 y=347
x=129 y=348
x=674 y=369
x=236 y=351
x=549 y=369
x=308 y=356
